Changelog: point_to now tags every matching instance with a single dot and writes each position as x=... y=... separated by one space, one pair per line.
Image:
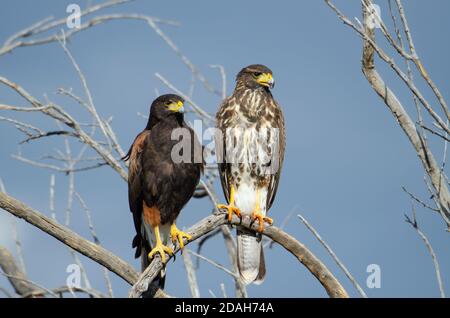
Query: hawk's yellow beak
x=266 y=79
x=176 y=107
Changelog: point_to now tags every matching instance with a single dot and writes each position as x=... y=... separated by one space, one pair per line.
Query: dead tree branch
x=370 y=48
x=430 y=249
x=334 y=256
x=15 y=275
x=140 y=283
x=92 y=250
x=332 y=286
x=17 y=40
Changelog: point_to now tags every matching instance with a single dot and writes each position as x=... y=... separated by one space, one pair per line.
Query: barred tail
x=250 y=256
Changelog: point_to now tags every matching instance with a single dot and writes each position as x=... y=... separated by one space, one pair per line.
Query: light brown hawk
x=250 y=146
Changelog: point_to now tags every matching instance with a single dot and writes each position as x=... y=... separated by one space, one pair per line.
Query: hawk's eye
x=257 y=74
x=168 y=103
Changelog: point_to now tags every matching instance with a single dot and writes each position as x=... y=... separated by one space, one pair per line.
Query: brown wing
x=278 y=122
x=135 y=195
x=223 y=118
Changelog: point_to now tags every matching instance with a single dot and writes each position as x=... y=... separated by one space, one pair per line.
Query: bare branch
x=13 y=42
x=195 y=107
x=60 y=115
x=224 y=291
x=83 y=81
x=395 y=106
x=183 y=57
x=415 y=225
x=27 y=31
x=418 y=62
x=223 y=76
x=215 y=264
x=96 y=240
x=15 y=275
x=48 y=134
x=444 y=137
x=371 y=47
x=415 y=198
x=191 y=275
x=23 y=127
x=314 y=265
x=334 y=256
x=69 y=238
x=23 y=109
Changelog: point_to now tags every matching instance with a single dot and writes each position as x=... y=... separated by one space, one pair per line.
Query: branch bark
x=332 y=286
x=15 y=275
x=140 y=283
x=406 y=123
x=430 y=249
x=95 y=252
x=417 y=139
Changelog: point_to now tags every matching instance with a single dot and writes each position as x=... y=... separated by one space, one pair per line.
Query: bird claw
x=177 y=235
x=162 y=250
x=261 y=219
x=231 y=210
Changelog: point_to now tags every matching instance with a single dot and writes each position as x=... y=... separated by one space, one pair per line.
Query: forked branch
x=140 y=283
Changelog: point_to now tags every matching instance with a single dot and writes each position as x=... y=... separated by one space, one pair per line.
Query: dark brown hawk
x=160 y=181
x=250 y=148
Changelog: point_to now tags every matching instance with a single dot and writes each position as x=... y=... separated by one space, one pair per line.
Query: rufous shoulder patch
x=136 y=149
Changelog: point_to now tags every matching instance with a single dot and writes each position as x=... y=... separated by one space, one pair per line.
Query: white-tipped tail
x=250 y=256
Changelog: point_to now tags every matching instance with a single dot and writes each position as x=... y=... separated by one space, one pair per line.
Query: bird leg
x=231 y=207
x=257 y=215
x=177 y=235
x=160 y=247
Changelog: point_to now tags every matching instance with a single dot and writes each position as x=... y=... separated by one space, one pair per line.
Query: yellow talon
x=261 y=220
x=257 y=215
x=160 y=247
x=232 y=209
x=162 y=250
x=177 y=235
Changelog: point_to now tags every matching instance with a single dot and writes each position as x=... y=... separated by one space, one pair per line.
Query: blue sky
x=346 y=158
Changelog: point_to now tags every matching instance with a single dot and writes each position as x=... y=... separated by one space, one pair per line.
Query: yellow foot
x=177 y=235
x=261 y=220
x=231 y=210
x=162 y=250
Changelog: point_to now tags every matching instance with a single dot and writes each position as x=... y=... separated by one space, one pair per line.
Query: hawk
x=250 y=143
x=159 y=183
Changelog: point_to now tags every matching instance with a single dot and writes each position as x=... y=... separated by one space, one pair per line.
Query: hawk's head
x=254 y=76
x=166 y=105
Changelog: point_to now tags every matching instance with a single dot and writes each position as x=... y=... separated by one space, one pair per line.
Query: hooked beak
x=176 y=107
x=266 y=80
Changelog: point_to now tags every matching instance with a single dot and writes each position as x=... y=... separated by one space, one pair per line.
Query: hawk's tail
x=250 y=256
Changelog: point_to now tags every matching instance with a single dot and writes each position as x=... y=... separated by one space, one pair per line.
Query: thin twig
x=96 y=240
x=415 y=225
x=199 y=110
x=191 y=275
x=334 y=256
x=215 y=264
x=223 y=76
x=415 y=198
